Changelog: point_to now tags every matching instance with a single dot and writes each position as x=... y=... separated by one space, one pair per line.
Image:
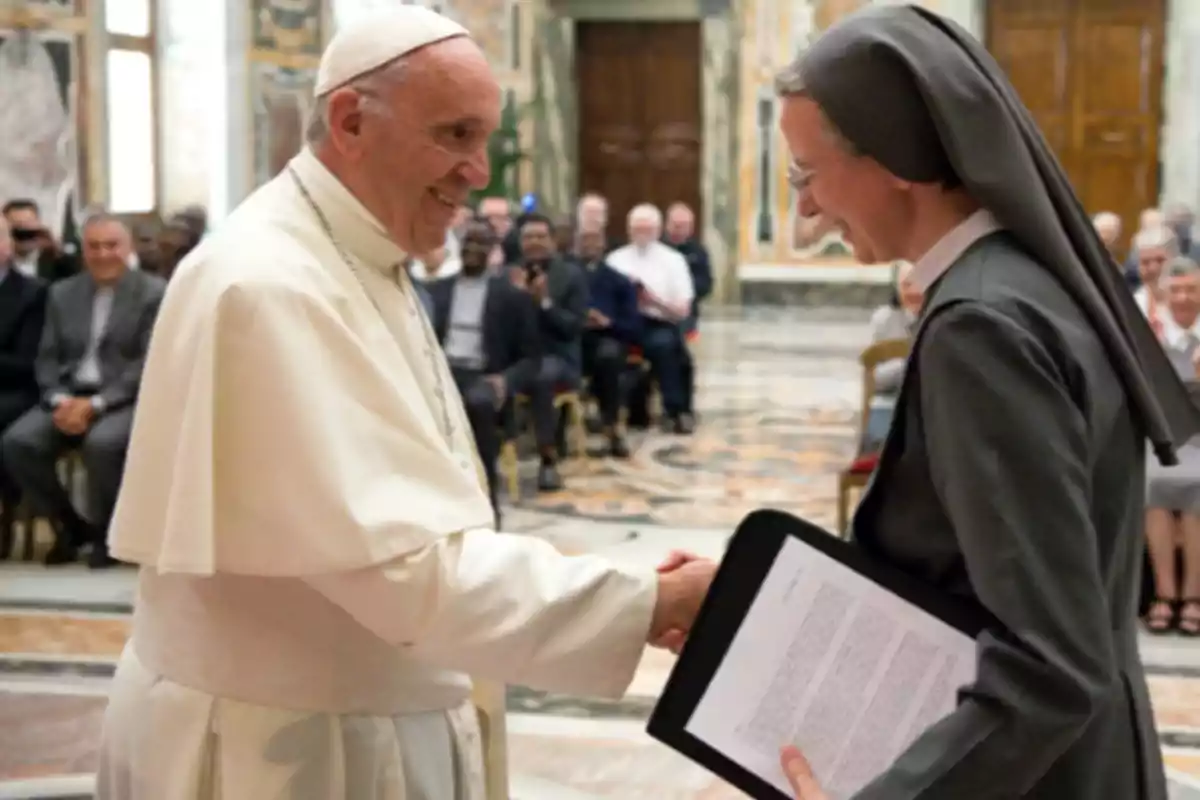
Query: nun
x=1013 y=476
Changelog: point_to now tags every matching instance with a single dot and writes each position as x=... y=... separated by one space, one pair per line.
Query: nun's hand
x=800 y=775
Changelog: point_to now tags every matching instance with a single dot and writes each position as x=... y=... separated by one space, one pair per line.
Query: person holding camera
x=559 y=290
x=36 y=252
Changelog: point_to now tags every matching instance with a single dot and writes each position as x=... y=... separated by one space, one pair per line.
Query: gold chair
x=69 y=467
x=570 y=403
x=856 y=476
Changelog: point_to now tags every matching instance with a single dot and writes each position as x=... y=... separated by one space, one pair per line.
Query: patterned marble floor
x=777 y=399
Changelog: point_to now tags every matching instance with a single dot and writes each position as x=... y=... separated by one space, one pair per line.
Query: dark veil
x=921 y=96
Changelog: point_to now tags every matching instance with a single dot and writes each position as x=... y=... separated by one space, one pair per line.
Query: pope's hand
x=680 y=593
x=800 y=775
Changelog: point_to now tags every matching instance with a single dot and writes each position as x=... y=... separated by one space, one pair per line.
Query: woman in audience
x=1173 y=492
x=897 y=320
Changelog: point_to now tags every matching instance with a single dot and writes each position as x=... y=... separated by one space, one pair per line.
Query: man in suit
x=89 y=367
x=22 y=310
x=36 y=250
x=1013 y=476
x=612 y=325
x=558 y=291
x=487 y=329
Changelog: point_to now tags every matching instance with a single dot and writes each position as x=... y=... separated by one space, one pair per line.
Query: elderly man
x=1012 y=479
x=680 y=232
x=1108 y=228
x=89 y=370
x=665 y=294
x=319 y=574
x=1152 y=248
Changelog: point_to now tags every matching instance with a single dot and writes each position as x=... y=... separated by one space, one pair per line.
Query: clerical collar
x=357 y=231
x=950 y=247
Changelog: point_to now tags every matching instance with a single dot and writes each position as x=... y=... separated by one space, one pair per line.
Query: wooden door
x=639 y=117
x=1091 y=71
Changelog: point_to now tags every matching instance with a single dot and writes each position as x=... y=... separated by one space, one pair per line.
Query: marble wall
x=1180 y=144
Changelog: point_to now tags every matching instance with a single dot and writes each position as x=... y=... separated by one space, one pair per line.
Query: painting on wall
x=282 y=98
x=38 y=123
x=293 y=27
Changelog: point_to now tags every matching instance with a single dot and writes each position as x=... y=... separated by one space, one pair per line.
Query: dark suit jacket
x=1013 y=478
x=54 y=267
x=509 y=324
x=561 y=324
x=123 y=346
x=22 y=312
x=614 y=296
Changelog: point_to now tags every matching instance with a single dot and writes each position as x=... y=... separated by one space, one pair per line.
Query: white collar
x=939 y=258
x=354 y=227
x=1176 y=335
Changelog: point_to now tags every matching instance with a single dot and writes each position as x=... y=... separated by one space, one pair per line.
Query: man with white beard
x=318 y=573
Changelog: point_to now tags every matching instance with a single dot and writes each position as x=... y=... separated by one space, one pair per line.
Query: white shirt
x=939 y=258
x=662 y=271
x=27 y=264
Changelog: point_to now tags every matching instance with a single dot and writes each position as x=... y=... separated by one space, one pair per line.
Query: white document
x=833 y=663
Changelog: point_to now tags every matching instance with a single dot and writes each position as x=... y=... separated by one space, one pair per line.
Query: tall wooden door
x=1091 y=71
x=639 y=114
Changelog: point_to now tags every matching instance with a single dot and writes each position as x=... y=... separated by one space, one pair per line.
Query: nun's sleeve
x=1008 y=457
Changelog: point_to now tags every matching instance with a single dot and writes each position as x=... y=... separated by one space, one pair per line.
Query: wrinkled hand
x=683 y=583
x=800 y=775
x=518 y=276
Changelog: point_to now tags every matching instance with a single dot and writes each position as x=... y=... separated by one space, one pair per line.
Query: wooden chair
x=856 y=476
x=69 y=468
x=566 y=401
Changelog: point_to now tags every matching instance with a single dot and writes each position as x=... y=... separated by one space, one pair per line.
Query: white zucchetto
x=372 y=41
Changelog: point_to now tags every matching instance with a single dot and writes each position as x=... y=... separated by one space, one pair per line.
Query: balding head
x=681 y=223
x=591 y=213
x=409 y=139
x=1108 y=227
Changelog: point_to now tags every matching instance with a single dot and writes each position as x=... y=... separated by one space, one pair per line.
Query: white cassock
x=318 y=572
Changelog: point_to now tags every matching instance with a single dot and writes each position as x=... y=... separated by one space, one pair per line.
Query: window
x=127 y=17
x=131 y=151
x=765 y=221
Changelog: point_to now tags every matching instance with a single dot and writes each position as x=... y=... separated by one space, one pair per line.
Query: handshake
x=683 y=582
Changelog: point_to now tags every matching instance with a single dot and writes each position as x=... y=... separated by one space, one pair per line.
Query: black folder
x=748 y=559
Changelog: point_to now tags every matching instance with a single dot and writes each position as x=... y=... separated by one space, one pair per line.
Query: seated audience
x=176 y=239
x=1182 y=221
x=36 y=250
x=89 y=368
x=22 y=310
x=680 y=233
x=1149 y=220
x=1152 y=249
x=613 y=324
x=897 y=320
x=498 y=211
x=436 y=264
x=665 y=294
x=558 y=290
x=1108 y=228
x=1175 y=490
x=488 y=331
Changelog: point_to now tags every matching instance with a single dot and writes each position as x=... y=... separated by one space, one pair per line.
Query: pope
x=318 y=576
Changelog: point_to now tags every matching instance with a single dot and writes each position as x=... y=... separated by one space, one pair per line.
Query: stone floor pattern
x=778 y=396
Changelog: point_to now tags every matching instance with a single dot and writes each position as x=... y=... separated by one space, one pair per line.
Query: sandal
x=1187 y=622
x=1160 y=617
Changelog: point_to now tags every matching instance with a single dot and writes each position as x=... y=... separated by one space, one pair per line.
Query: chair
x=858 y=474
x=69 y=467
x=566 y=401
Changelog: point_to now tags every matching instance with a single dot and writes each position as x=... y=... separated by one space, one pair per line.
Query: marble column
x=719 y=177
x=1180 y=138
x=554 y=109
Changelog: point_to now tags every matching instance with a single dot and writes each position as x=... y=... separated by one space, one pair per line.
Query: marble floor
x=777 y=399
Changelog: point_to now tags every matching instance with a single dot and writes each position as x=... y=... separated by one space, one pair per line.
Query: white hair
x=370 y=88
x=1150 y=238
x=1106 y=219
x=646 y=212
